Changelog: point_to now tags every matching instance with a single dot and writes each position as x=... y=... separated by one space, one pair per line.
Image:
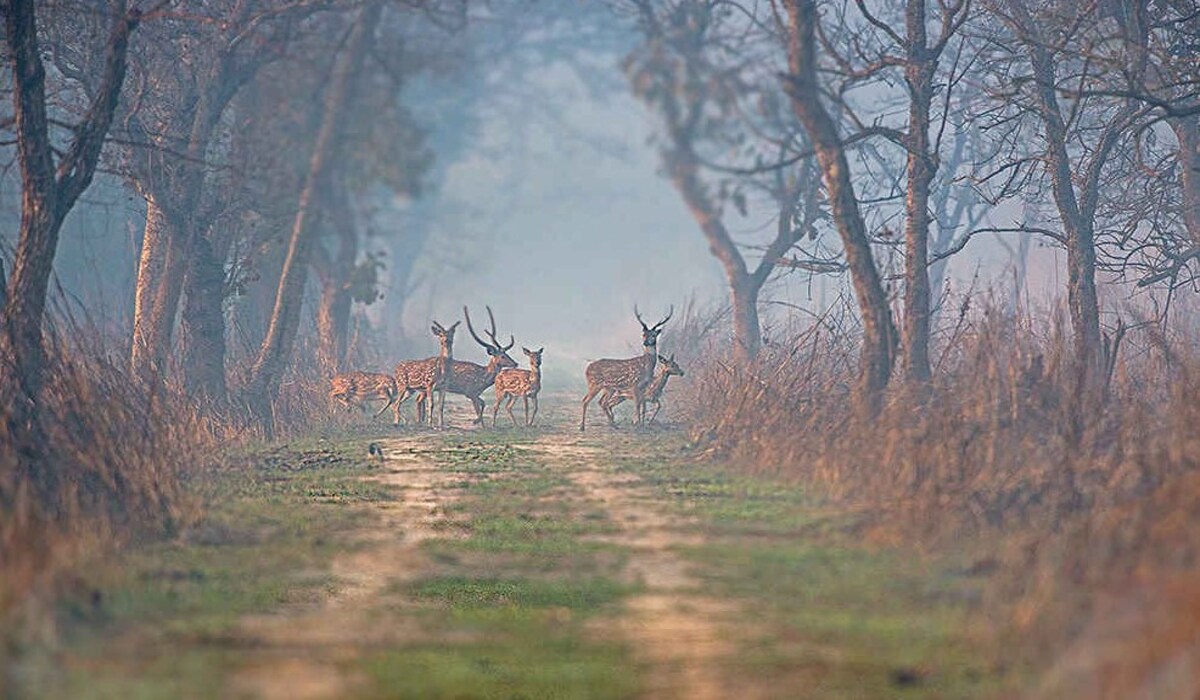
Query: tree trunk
x=743 y=288
x=48 y=193
x=921 y=169
x=202 y=324
x=273 y=356
x=1077 y=220
x=161 y=269
x=747 y=331
x=336 y=273
x=879 y=334
x=1187 y=132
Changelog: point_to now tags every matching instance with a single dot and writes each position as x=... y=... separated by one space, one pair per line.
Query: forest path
x=516 y=563
x=678 y=638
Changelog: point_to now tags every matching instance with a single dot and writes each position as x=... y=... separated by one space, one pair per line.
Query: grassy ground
x=513 y=563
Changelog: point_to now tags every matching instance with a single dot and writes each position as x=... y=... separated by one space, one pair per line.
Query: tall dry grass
x=1077 y=500
x=108 y=469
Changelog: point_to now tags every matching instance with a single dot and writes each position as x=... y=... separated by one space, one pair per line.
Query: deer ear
x=526 y=350
x=435 y=328
x=662 y=359
x=539 y=352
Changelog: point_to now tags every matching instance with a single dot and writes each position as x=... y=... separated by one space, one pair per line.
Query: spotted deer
x=525 y=383
x=426 y=376
x=667 y=368
x=470 y=379
x=629 y=376
x=354 y=388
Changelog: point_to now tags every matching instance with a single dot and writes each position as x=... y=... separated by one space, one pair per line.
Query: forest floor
x=515 y=563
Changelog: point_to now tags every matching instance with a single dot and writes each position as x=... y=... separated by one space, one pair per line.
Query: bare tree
x=694 y=69
x=265 y=374
x=1076 y=144
x=49 y=189
x=805 y=91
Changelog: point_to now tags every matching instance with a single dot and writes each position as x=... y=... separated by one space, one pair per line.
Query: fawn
x=629 y=376
x=525 y=383
x=667 y=368
x=354 y=388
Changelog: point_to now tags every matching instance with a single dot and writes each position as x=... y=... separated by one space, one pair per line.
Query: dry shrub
x=107 y=469
x=1078 y=497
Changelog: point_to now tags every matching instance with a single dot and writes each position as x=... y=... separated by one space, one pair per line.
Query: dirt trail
x=297 y=653
x=682 y=638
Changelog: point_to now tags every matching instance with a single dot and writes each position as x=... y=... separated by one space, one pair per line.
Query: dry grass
x=1073 y=499
x=108 y=470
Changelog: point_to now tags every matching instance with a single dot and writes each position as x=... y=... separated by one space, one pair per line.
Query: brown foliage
x=1075 y=499
x=109 y=471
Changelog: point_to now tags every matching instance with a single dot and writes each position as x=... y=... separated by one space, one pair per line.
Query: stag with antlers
x=424 y=377
x=525 y=383
x=470 y=379
x=667 y=368
x=629 y=376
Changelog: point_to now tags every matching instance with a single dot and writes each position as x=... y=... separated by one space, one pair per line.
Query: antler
x=668 y=318
x=511 y=339
x=471 y=328
x=639 y=318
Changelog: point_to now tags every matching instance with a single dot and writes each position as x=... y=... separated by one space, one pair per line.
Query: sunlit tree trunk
x=161 y=268
x=267 y=371
x=879 y=333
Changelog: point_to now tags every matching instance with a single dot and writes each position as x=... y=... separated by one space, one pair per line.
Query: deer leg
x=478 y=404
x=441 y=408
x=496 y=409
x=592 y=391
x=508 y=407
x=535 y=409
x=606 y=403
x=526 y=397
x=657 y=408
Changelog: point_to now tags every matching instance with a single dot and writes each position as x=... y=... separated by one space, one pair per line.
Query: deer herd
x=641 y=379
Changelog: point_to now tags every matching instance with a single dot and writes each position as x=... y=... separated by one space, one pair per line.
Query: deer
x=526 y=383
x=427 y=376
x=667 y=368
x=628 y=376
x=470 y=379
x=354 y=388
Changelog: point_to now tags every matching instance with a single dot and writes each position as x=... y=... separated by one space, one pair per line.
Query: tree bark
x=1187 y=133
x=879 y=334
x=161 y=268
x=921 y=169
x=202 y=324
x=267 y=371
x=174 y=195
x=1077 y=219
x=335 y=273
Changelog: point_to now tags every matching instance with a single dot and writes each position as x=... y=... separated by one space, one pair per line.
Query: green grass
x=835 y=616
x=161 y=617
x=505 y=616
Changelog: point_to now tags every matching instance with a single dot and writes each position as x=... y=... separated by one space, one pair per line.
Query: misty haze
x=599 y=349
